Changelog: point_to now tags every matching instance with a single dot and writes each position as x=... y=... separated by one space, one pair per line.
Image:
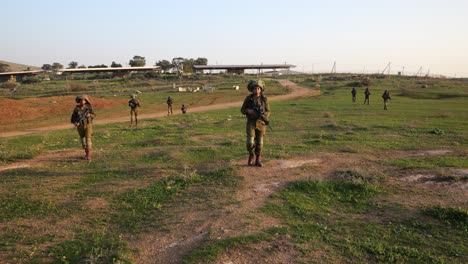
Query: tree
x=4 y=67
x=178 y=63
x=97 y=66
x=165 y=65
x=116 y=65
x=201 y=61
x=57 y=66
x=187 y=65
x=82 y=67
x=137 y=61
x=46 y=67
x=72 y=65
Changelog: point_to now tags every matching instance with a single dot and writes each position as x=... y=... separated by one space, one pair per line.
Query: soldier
x=134 y=106
x=183 y=109
x=82 y=117
x=353 y=92
x=255 y=105
x=366 y=95
x=386 y=97
x=169 y=105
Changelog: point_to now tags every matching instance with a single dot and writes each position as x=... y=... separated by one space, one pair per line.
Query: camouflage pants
x=134 y=112
x=255 y=133
x=85 y=132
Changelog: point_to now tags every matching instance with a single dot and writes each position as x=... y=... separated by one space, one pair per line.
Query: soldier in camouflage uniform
x=366 y=95
x=134 y=106
x=353 y=93
x=82 y=117
x=386 y=97
x=169 y=102
x=255 y=105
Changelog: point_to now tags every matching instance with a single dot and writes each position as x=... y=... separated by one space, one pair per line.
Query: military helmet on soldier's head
x=252 y=84
x=83 y=97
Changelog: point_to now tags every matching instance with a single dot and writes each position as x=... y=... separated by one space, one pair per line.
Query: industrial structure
x=240 y=69
x=116 y=72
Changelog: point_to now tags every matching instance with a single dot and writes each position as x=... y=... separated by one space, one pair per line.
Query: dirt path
x=239 y=218
x=295 y=92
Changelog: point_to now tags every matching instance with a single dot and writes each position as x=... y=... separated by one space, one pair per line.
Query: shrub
x=11 y=86
x=76 y=87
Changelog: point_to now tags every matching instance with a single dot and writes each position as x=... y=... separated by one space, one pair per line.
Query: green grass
x=138 y=175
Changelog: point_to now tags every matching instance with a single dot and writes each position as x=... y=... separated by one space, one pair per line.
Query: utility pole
x=333 y=68
x=388 y=66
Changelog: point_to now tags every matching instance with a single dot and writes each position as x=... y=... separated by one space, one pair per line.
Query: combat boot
x=251 y=158
x=88 y=155
x=258 y=161
x=250 y=149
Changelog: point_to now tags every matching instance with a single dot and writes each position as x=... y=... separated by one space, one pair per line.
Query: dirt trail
x=242 y=217
x=295 y=92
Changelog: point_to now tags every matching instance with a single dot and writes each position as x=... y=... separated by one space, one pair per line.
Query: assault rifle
x=133 y=103
x=262 y=117
x=82 y=117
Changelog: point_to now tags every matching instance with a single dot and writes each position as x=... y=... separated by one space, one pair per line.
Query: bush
x=366 y=82
x=76 y=87
x=31 y=79
x=11 y=86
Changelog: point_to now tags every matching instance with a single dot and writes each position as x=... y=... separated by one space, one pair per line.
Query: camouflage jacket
x=259 y=103
x=78 y=112
x=134 y=103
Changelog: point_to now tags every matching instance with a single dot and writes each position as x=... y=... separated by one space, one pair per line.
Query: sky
x=358 y=36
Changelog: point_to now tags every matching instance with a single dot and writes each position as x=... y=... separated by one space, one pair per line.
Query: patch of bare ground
x=49 y=159
x=192 y=223
x=278 y=251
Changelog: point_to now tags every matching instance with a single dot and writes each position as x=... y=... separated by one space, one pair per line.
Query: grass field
x=388 y=187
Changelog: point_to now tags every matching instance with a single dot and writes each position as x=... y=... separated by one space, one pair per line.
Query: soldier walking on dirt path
x=169 y=102
x=254 y=107
x=386 y=97
x=366 y=95
x=134 y=106
x=82 y=117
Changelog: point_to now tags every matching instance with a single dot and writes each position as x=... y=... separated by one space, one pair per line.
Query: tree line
x=178 y=64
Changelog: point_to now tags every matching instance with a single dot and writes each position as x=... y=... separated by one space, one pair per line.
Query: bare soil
x=34 y=108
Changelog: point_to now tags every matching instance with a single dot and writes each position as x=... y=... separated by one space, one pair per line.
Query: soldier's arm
x=91 y=113
x=244 y=106
x=73 y=117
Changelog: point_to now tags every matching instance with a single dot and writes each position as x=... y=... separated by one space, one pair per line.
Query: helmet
x=81 y=97
x=252 y=84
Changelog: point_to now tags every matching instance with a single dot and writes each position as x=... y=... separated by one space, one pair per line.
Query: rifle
x=262 y=116
x=82 y=117
x=133 y=103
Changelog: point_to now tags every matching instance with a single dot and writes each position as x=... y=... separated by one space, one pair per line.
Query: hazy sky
x=361 y=36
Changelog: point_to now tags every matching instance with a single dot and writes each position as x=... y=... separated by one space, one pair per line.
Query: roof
x=249 y=66
x=144 y=68
x=21 y=72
